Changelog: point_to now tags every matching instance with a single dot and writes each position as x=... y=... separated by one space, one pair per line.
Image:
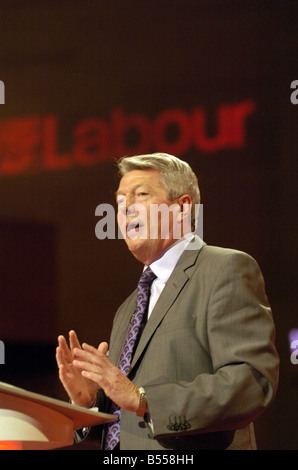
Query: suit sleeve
x=245 y=363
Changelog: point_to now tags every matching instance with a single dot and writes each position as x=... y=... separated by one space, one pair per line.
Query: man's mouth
x=133 y=228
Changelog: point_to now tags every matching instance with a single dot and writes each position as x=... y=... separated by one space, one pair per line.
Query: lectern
x=30 y=421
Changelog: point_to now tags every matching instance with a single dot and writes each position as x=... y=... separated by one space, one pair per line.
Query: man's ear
x=185 y=204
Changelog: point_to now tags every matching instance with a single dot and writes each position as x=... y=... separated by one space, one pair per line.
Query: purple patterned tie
x=129 y=347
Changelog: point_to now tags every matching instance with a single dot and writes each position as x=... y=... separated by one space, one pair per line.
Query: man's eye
x=142 y=194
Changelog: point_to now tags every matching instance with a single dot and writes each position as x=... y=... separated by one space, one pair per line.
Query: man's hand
x=94 y=365
x=81 y=390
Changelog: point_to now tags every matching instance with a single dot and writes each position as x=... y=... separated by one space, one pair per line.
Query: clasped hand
x=83 y=369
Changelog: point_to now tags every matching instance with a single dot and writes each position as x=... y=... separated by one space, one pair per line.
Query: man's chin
x=134 y=243
x=137 y=247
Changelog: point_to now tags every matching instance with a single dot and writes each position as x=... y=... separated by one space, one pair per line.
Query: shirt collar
x=164 y=266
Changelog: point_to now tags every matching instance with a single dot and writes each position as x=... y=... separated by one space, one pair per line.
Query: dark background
x=78 y=60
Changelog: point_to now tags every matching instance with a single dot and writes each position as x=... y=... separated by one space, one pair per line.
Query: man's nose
x=125 y=204
x=130 y=204
x=130 y=208
x=126 y=209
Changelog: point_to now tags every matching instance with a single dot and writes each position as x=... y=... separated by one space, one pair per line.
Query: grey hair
x=176 y=175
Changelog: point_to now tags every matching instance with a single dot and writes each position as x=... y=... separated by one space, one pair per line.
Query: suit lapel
x=175 y=284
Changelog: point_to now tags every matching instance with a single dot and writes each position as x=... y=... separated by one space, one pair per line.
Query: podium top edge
x=68 y=409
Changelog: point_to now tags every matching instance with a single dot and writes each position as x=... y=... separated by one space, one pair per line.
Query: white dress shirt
x=164 y=266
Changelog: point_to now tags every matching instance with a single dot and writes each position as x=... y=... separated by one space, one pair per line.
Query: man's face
x=140 y=190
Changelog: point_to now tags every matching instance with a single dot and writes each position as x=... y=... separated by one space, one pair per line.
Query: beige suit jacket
x=206 y=357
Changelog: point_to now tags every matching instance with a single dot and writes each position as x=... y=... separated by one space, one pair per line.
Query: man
x=205 y=365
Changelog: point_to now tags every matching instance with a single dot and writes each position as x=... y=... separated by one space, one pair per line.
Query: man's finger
x=63 y=353
x=86 y=366
x=103 y=348
x=73 y=340
x=88 y=354
x=97 y=378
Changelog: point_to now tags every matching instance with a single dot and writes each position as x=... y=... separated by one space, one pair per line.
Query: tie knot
x=147 y=277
